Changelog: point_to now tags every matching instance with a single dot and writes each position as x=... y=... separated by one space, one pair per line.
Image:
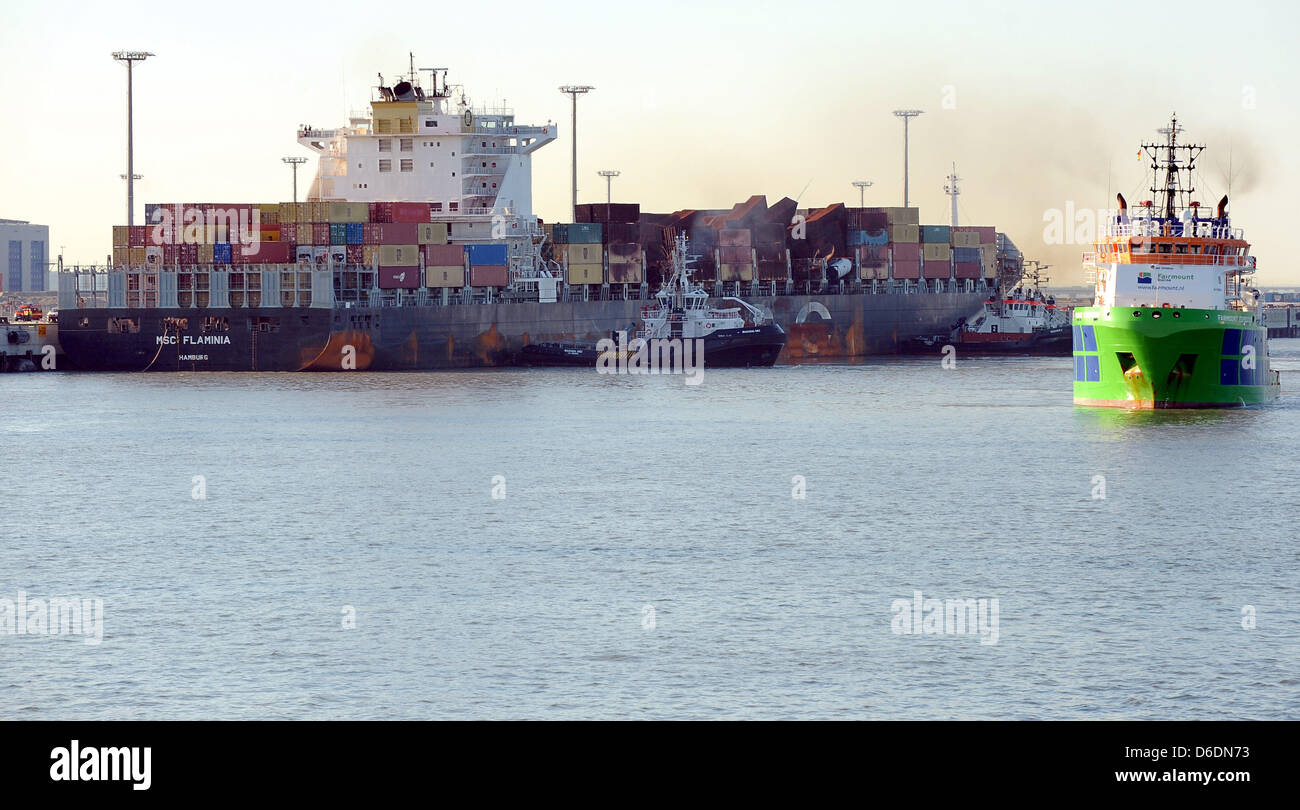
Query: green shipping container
x=934 y=233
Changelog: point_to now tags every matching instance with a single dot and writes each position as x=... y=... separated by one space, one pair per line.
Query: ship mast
x=1165 y=157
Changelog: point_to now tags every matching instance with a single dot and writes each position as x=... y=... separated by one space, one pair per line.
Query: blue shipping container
x=966 y=254
x=356 y=233
x=221 y=253
x=868 y=237
x=486 y=255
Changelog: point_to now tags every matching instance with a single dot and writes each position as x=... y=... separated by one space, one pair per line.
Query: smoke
x=1235 y=161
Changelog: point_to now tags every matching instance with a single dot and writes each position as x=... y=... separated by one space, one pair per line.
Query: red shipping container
x=136 y=235
x=370 y=232
x=381 y=212
x=171 y=254
x=444 y=255
x=937 y=269
x=320 y=233
x=288 y=232
x=262 y=253
x=907 y=269
x=397 y=233
x=410 y=212
x=968 y=269
x=356 y=254
x=399 y=278
x=907 y=251
x=489 y=276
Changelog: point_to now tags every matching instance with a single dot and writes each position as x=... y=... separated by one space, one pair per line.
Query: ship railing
x=1155 y=228
x=490 y=150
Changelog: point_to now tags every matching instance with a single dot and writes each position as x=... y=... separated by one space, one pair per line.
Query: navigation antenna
x=1164 y=156
x=953 y=191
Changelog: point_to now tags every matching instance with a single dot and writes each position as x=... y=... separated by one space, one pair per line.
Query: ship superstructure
x=1175 y=322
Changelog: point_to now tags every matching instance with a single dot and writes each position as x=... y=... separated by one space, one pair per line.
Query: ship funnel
x=1223 y=208
x=404 y=91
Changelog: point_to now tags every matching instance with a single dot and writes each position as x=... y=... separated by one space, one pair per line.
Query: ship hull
x=1170 y=358
x=817 y=327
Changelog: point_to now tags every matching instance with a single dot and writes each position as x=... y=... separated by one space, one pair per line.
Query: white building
x=24 y=256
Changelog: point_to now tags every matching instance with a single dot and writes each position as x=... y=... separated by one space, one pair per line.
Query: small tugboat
x=1027 y=321
x=741 y=336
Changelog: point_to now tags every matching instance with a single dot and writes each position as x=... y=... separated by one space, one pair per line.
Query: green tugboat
x=1174 y=321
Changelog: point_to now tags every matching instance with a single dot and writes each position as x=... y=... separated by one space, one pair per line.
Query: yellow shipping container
x=586 y=272
x=320 y=211
x=399 y=255
x=936 y=252
x=580 y=254
x=369 y=255
x=444 y=276
x=736 y=272
x=138 y=255
x=288 y=212
x=205 y=254
x=349 y=212
x=905 y=233
x=903 y=216
x=965 y=239
x=304 y=213
x=121 y=256
x=989 y=258
x=121 y=236
x=431 y=233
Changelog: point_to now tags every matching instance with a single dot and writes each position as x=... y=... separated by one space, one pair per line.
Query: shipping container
x=399 y=278
x=370 y=255
x=935 y=233
x=356 y=254
x=905 y=234
x=221 y=253
x=966 y=254
x=967 y=269
x=171 y=255
x=626 y=269
x=121 y=236
x=397 y=233
x=903 y=216
x=354 y=233
x=906 y=251
x=735 y=237
x=449 y=276
x=769 y=232
x=320 y=233
x=608 y=212
x=907 y=269
x=136 y=235
x=320 y=212
x=735 y=254
x=288 y=212
x=772 y=270
x=431 y=233
x=578 y=233
x=936 y=251
x=444 y=255
x=288 y=232
x=261 y=253
x=305 y=254
x=370 y=233
x=493 y=255
x=579 y=253
x=877 y=237
x=584 y=273
x=964 y=239
x=410 y=212
x=768 y=253
x=399 y=256
x=138 y=255
x=121 y=255
x=735 y=272
x=338 y=233
x=304 y=214
x=936 y=268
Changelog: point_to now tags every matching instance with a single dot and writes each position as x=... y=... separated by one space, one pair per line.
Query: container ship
x=1174 y=322
x=417 y=248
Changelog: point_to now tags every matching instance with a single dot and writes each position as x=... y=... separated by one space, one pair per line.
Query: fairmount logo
x=1144 y=278
x=77 y=764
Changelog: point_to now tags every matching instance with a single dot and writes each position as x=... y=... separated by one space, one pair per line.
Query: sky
x=698 y=105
